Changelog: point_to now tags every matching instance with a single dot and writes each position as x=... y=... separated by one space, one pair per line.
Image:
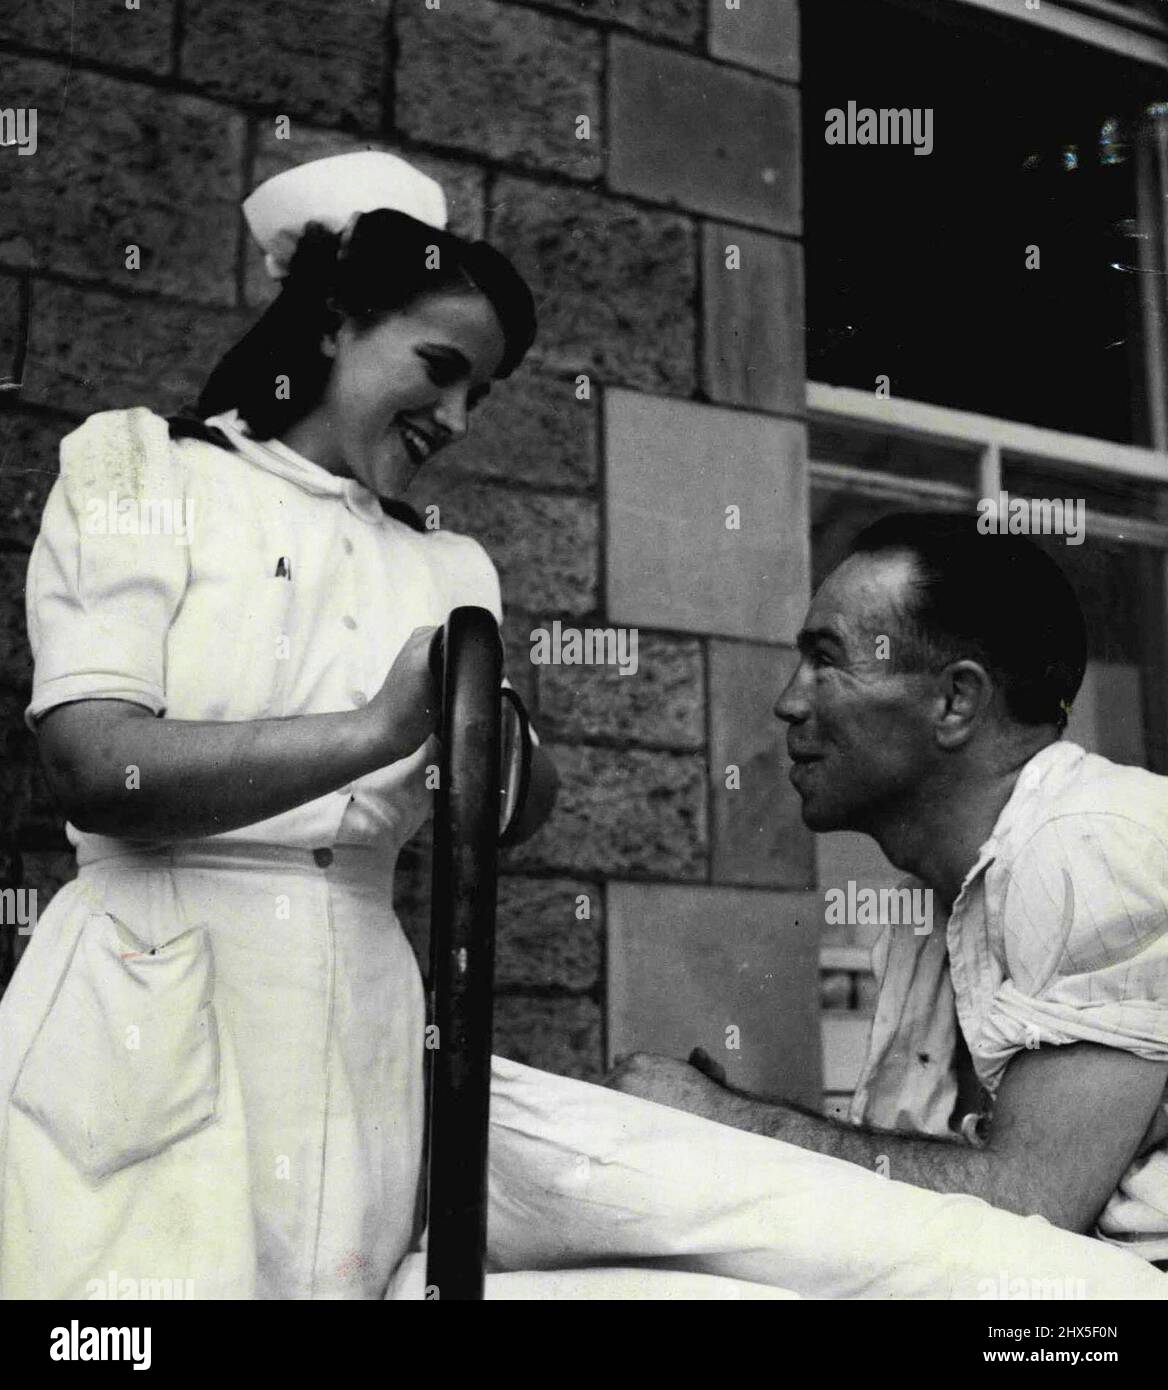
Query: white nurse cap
x=332 y=192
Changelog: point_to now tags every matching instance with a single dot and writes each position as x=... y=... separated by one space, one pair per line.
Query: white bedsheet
x=597 y=1283
x=581 y=1175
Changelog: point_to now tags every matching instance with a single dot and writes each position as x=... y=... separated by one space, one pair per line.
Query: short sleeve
x=468 y=573
x=1085 y=935
x=109 y=566
x=471 y=578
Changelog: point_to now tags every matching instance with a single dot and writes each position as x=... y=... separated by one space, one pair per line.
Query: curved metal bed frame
x=462 y=950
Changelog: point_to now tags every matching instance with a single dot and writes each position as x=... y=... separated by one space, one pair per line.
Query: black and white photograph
x=584 y=633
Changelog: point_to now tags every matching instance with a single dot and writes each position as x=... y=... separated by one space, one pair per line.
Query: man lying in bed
x=1019 y=1051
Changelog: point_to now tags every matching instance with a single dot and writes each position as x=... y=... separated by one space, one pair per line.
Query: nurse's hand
x=409 y=704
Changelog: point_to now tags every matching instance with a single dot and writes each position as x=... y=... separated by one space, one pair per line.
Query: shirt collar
x=1052 y=761
x=276 y=457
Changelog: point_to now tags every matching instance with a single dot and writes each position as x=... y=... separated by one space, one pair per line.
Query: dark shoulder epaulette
x=402 y=511
x=191 y=427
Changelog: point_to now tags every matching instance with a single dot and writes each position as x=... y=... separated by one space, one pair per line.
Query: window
x=1049 y=382
x=1000 y=272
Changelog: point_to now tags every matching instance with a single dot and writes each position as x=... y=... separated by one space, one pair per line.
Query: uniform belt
x=364 y=860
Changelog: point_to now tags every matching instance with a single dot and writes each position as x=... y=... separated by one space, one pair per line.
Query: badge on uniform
x=284 y=568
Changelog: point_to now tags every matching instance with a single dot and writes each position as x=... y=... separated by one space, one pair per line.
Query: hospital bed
x=595 y=1194
x=467 y=832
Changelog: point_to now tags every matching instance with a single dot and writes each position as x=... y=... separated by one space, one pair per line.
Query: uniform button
x=349 y=622
x=359 y=697
x=324 y=857
x=348 y=544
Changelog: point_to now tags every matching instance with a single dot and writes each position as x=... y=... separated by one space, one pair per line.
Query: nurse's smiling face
x=401 y=389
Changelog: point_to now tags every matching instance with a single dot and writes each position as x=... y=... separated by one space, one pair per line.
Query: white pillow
x=583 y=1175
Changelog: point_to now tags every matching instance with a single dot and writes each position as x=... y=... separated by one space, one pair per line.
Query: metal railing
x=467 y=835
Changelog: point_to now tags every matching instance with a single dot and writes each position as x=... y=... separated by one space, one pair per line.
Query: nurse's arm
x=1067 y=1123
x=116 y=769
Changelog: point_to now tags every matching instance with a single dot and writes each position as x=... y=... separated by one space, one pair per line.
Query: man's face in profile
x=858 y=731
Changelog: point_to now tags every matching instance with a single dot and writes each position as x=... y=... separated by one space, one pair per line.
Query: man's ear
x=967 y=692
x=328 y=345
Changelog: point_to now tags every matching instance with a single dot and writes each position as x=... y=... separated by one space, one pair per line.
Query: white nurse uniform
x=211 y=1052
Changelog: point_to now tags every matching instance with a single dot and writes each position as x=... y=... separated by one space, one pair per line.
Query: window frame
x=1095 y=22
x=988 y=439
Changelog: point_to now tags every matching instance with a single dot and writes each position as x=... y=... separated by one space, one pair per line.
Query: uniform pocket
x=126 y=1061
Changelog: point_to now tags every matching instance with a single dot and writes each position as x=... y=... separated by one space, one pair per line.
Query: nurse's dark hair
x=389 y=261
x=998 y=600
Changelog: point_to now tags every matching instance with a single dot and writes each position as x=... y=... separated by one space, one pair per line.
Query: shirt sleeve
x=473 y=579
x=1085 y=933
x=107 y=572
x=469 y=574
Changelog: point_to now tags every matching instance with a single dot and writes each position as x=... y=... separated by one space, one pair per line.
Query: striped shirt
x=1059 y=935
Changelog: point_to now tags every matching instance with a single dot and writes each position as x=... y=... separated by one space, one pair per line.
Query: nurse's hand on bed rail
x=408 y=706
x=116 y=769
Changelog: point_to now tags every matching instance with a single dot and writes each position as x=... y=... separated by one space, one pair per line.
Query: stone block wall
x=646 y=467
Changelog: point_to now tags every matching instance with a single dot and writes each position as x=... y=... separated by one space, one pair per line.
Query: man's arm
x=1066 y=1124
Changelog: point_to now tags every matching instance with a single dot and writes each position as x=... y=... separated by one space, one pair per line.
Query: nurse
x=211 y=1053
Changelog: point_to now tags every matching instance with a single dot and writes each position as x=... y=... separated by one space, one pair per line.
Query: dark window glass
x=916 y=264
